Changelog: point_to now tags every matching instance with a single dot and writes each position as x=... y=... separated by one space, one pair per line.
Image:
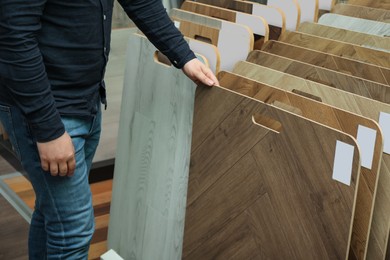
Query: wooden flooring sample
x=338 y=34
x=152 y=162
x=359 y=86
x=275 y=17
x=356 y=24
x=257 y=24
x=364 y=12
x=349 y=102
x=291 y=9
x=255 y=191
x=349 y=66
x=309 y=10
x=382 y=4
x=234 y=41
x=352 y=51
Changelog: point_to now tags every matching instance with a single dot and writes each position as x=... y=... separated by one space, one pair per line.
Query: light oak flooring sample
x=349 y=102
x=335 y=118
x=234 y=41
x=356 y=24
x=169 y=4
x=359 y=86
x=358 y=11
x=383 y=4
x=348 y=50
x=255 y=191
x=257 y=24
x=152 y=159
x=275 y=17
x=334 y=33
x=349 y=66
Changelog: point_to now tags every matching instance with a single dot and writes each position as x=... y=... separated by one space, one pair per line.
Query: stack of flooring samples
x=289 y=158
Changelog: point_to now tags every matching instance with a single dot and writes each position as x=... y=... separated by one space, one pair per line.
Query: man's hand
x=199 y=73
x=58 y=156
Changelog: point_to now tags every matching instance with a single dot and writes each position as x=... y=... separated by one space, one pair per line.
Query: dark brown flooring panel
x=13 y=232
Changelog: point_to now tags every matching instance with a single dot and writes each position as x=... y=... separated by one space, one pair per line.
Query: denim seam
x=58 y=215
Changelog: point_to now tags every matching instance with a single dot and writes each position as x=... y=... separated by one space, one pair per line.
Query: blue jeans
x=62 y=223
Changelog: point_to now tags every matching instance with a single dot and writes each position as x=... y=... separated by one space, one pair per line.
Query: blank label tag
x=177 y=24
x=343 y=159
x=384 y=122
x=366 y=138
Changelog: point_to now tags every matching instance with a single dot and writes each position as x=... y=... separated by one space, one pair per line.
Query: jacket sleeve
x=152 y=19
x=22 y=70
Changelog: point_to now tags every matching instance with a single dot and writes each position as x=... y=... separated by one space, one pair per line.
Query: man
x=53 y=55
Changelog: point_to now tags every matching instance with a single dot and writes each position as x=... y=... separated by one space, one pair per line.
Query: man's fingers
x=71 y=166
x=63 y=168
x=54 y=169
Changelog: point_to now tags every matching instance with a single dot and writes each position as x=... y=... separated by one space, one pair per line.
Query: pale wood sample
x=349 y=102
x=359 y=86
x=330 y=116
x=349 y=66
x=348 y=50
x=274 y=16
x=356 y=24
x=326 y=5
x=255 y=191
x=383 y=4
x=152 y=158
x=334 y=33
x=257 y=24
x=363 y=12
x=234 y=41
x=291 y=9
x=309 y=10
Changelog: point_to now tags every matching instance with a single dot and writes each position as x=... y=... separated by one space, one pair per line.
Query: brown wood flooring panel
x=381 y=4
x=338 y=34
x=245 y=7
x=345 y=65
x=375 y=14
x=14 y=233
x=352 y=51
x=332 y=117
x=359 y=86
x=101 y=197
x=350 y=102
x=237 y=165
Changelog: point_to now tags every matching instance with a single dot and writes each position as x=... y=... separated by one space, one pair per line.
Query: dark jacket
x=53 y=55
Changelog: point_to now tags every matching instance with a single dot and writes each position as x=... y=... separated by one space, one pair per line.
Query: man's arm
x=23 y=73
x=152 y=19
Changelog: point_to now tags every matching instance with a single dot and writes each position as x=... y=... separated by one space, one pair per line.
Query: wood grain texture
x=356 y=24
x=257 y=24
x=349 y=66
x=332 y=117
x=383 y=4
x=152 y=161
x=349 y=102
x=334 y=33
x=234 y=41
x=255 y=193
x=375 y=14
x=348 y=50
x=359 y=86
x=274 y=16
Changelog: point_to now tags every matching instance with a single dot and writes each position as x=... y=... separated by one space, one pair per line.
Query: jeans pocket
x=8 y=125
